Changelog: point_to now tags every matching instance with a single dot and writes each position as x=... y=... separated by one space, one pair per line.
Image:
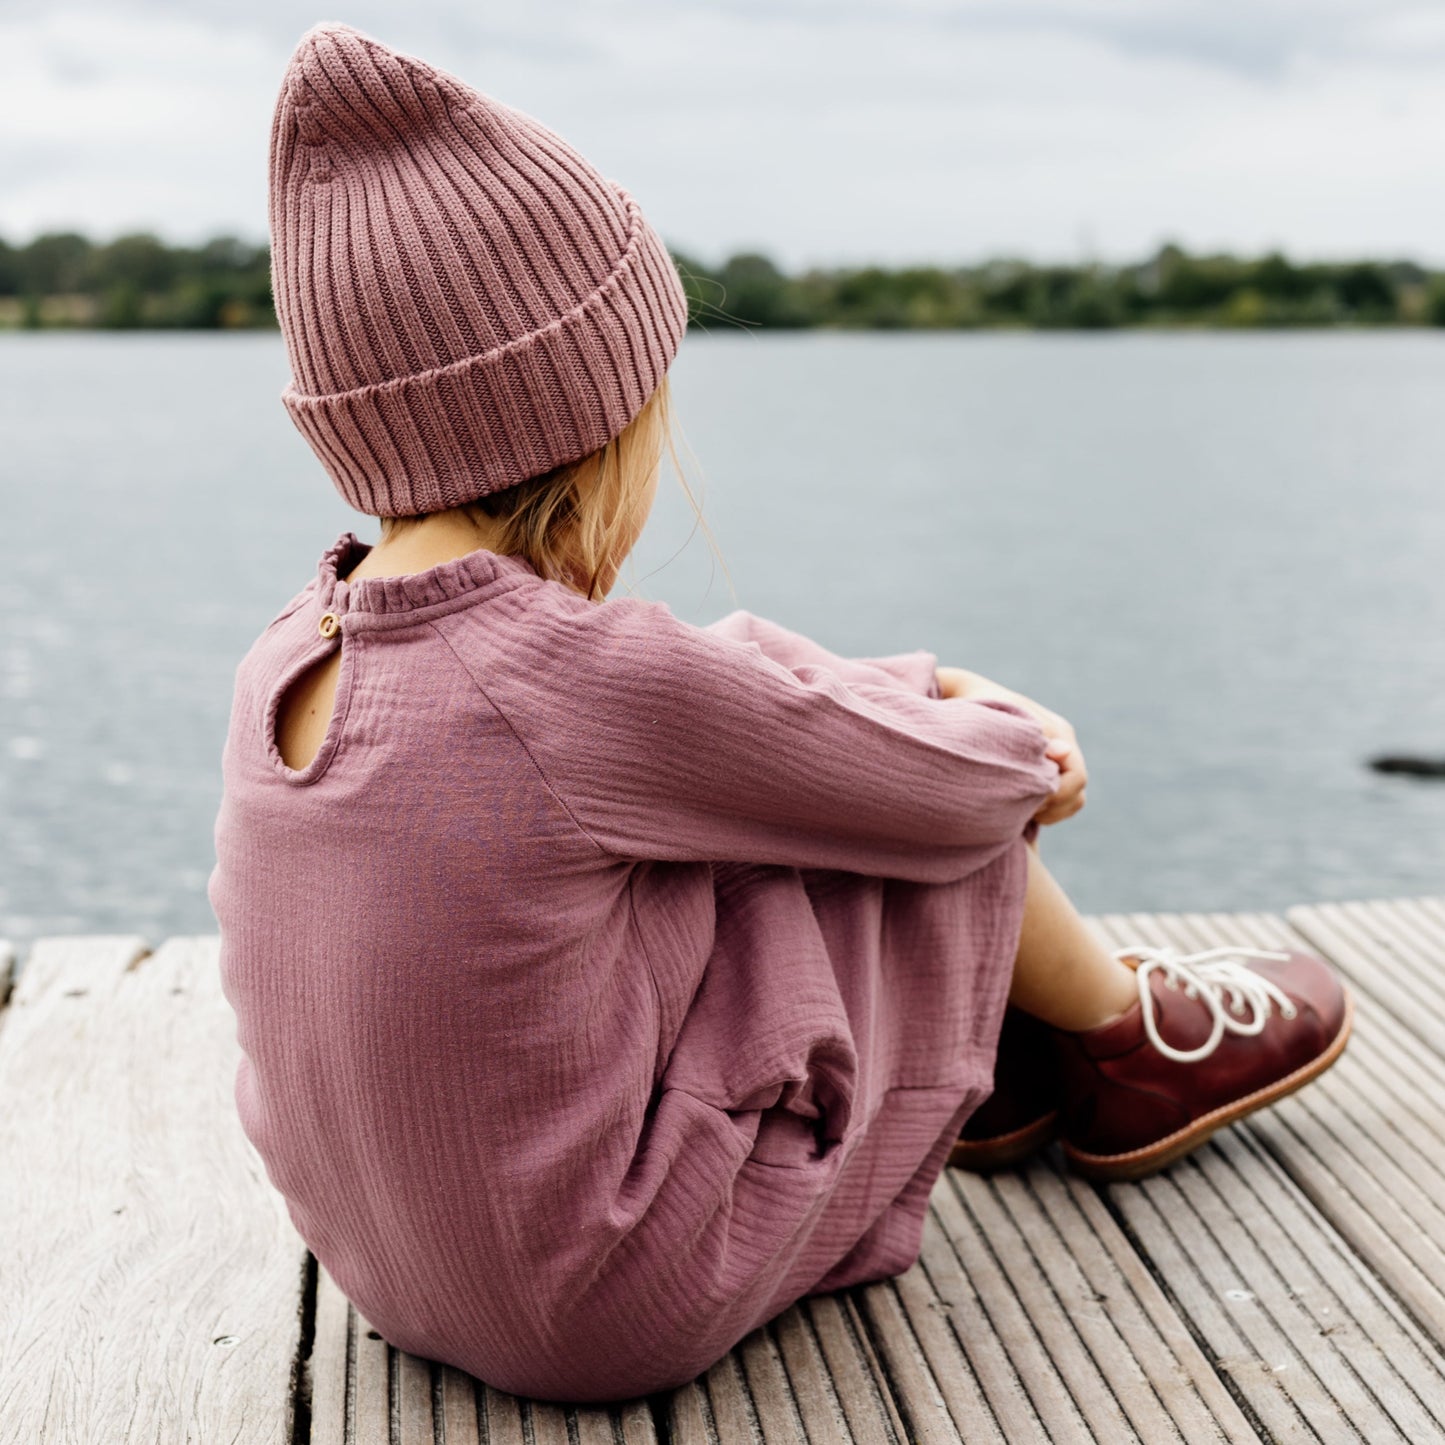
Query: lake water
x=1221 y=557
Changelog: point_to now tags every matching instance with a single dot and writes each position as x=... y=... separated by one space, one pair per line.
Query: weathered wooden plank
x=1419 y=923
x=328 y=1370
x=853 y=1369
x=152 y=1276
x=1400 y=939
x=1180 y=1256
x=689 y=1418
x=773 y=1399
x=1432 y=916
x=371 y=1385
x=457 y=1396
x=819 y=1405
x=1312 y=1341
x=1366 y=1144
x=1163 y=1385
x=1084 y=1291
x=975 y=1350
x=1053 y=1319
x=503 y=1415
x=1169 y=1353
x=1103 y=1379
x=1381 y=948
x=920 y=1402
x=996 y=1334
x=1388 y=1373
x=549 y=1422
x=1033 y=1318
x=596 y=1427
x=932 y=1301
x=732 y=1410
x=1387 y=1217
x=365 y=1392
x=360 y=1387
x=415 y=1405
x=639 y=1426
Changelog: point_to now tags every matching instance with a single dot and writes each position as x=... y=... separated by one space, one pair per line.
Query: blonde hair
x=571 y=522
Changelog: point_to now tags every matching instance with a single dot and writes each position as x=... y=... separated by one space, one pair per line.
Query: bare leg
x=1063 y=974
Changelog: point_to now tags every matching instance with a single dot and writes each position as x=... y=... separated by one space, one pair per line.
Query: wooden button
x=329 y=625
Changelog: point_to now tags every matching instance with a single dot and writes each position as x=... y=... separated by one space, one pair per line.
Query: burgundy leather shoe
x=1210 y=1039
x=1022 y=1113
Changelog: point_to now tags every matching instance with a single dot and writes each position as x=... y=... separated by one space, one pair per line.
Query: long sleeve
x=668 y=741
x=915 y=671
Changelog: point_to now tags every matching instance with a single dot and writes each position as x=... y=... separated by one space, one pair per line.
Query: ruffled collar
x=472 y=576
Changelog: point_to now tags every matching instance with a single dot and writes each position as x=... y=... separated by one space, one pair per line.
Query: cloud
x=1260 y=38
x=818 y=130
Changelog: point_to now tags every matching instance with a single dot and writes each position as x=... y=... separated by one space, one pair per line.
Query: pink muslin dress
x=607 y=983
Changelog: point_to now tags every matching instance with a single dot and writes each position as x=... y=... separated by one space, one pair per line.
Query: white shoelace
x=1208 y=975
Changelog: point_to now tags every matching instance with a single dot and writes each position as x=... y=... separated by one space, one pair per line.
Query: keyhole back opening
x=305 y=711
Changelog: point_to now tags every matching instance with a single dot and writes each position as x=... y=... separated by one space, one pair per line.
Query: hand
x=1068 y=798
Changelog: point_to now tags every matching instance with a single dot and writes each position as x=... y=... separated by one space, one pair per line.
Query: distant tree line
x=62 y=279
x=1172 y=288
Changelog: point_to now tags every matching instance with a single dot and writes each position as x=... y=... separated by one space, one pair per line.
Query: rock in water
x=1412 y=763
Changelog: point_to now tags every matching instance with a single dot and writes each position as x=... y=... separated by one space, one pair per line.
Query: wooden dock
x=1285 y=1283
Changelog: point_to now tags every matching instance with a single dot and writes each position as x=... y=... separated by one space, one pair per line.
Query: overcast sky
x=820 y=131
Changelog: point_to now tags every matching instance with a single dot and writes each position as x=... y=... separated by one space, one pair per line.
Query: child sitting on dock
x=606 y=983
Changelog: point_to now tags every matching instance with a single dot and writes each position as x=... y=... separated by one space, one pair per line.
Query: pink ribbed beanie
x=466 y=301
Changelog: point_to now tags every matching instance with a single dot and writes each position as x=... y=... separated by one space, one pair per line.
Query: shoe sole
x=1137 y=1163
x=979 y=1156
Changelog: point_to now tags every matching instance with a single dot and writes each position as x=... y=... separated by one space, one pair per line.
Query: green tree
x=755 y=291
x=1276 y=278
x=1366 y=290
x=55 y=264
x=1006 y=288
x=1435 y=301
x=140 y=262
x=1093 y=303
x=11 y=270
x=1188 y=285
x=122 y=306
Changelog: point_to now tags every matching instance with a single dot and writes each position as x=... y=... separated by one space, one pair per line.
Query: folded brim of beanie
x=435 y=439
